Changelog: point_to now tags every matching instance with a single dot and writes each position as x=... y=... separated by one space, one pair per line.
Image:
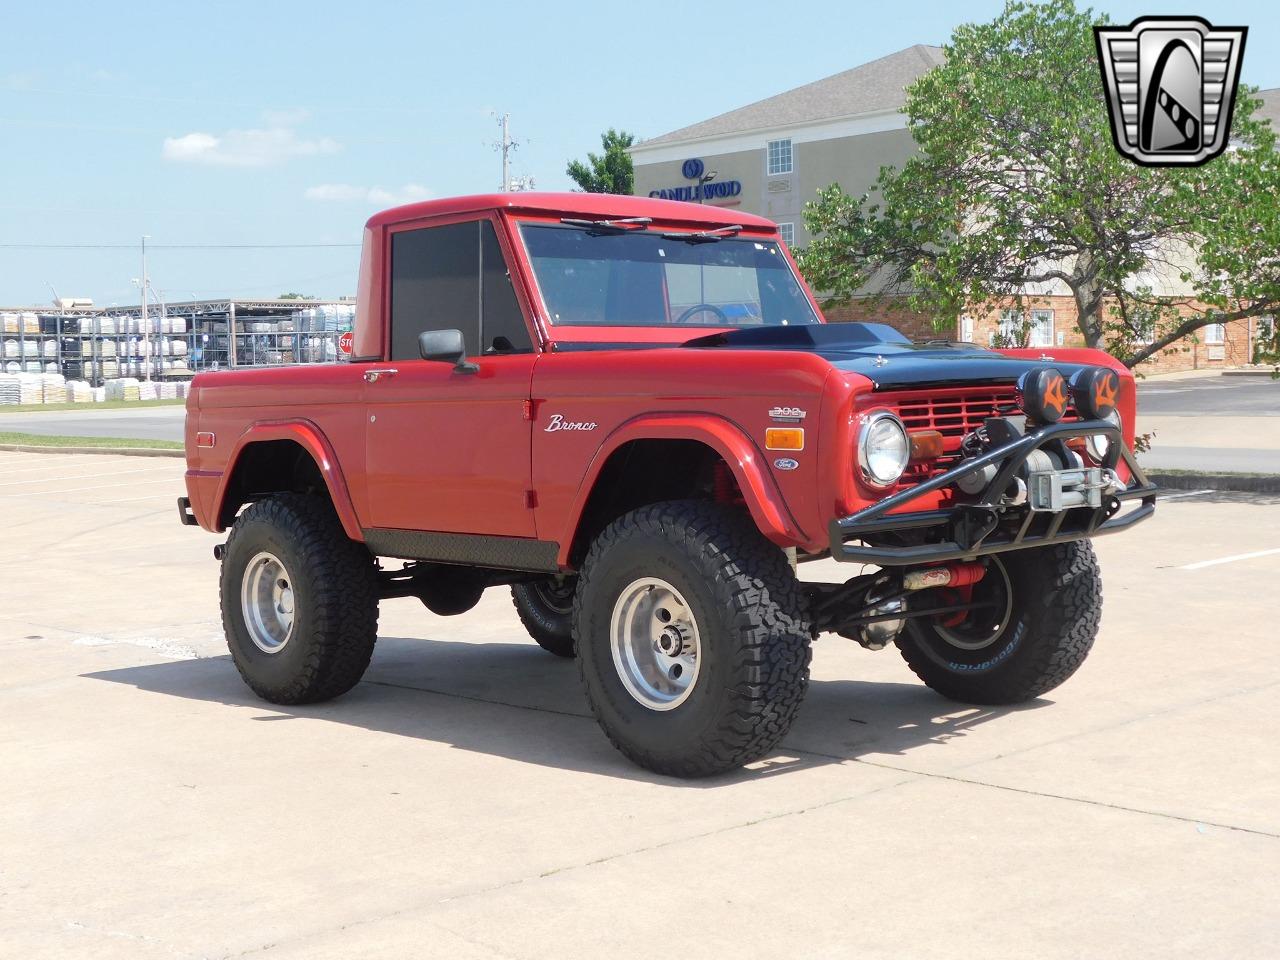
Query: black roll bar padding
x=877 y=517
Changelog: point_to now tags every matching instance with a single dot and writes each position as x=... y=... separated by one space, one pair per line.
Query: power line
x=174 y=246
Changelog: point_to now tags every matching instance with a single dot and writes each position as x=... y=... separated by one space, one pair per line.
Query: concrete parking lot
x=460 y=802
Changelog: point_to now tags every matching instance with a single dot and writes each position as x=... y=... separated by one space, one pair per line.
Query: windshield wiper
x=705 y=236
x=622 y=225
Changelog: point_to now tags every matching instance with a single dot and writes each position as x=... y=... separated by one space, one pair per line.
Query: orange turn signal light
x=925 y=445
x=784 y=438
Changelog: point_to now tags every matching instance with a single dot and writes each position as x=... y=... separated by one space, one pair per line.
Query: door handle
x=372 y=376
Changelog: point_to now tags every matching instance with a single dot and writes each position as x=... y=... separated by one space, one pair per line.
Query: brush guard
x=988 y=525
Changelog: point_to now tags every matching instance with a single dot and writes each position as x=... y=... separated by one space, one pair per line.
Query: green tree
x=610 y=172
x=294 y=296
x=1016 y=182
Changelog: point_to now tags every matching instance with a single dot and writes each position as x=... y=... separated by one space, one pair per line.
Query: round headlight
x=1097 y=444
x=883 y=449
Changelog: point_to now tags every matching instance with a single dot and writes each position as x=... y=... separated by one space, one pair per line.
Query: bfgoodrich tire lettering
x=753 y=637
x=334 y=600
x=1048 y=629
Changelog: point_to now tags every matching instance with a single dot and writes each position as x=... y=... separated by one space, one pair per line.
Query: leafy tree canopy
x=1016 y=182
x=294 y=296
x=610 y=172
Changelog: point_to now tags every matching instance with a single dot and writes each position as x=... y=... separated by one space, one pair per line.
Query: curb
x=1249 y=373
x=1241 y=482
x=113 y=451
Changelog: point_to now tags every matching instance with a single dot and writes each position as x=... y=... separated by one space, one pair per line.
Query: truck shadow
x=515 y=701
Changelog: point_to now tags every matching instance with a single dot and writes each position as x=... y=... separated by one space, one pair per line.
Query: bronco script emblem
x=560 y=423
x=1171 y=85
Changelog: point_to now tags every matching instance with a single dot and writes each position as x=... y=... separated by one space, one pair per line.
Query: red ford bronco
x=631 y=412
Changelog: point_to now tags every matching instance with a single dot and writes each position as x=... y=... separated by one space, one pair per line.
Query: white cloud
x=379 y=196
x=245 y=148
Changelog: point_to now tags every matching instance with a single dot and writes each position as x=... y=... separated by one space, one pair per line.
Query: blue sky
x=287 y=122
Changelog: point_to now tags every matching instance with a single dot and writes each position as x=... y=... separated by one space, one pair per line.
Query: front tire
x=299 y=601
x=1044 y=612
x=692 y=638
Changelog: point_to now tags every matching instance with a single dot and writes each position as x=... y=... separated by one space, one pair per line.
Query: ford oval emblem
x=786 y=463
x=692 y=169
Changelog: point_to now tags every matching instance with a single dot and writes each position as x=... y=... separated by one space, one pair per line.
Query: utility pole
x=506 y=146
x=142 y=327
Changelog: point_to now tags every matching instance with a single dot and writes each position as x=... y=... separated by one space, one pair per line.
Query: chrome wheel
x=266 y=600
x=655 y=644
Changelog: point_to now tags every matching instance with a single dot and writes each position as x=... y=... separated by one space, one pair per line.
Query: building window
x=779 y=157
x=1017 y=331
x=966 y=329
x=787 y=231
x=1215 y=333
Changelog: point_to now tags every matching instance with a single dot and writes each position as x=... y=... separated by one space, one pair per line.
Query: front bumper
x=986 y=525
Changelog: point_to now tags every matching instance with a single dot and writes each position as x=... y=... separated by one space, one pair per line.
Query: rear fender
x=308 y=436
x=763 y=498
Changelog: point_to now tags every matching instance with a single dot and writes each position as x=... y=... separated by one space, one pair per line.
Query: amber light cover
x=784 y=438
x=925 y=445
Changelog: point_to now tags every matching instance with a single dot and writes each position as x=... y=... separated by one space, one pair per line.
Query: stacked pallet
x=79 y=391
x=30 y=389
x=122 y=388
x=10 y=392
x=53 y=388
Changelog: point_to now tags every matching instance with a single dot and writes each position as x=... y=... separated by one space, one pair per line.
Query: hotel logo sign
x=1170 y=85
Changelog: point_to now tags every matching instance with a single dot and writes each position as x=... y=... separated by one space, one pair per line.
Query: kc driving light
x=1099 y=445
x=883 y=449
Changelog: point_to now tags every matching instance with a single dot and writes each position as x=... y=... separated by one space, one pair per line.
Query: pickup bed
x=632 y=414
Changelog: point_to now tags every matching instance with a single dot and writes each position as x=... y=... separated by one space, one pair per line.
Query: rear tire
x=1047 y=608
x=692 y=638
x=299 y=600
x=546 y=610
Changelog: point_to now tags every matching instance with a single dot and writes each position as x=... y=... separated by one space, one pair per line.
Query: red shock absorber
x=944 y=575
x=957 y=578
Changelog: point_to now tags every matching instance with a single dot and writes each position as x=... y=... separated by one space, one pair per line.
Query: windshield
x=638 y=278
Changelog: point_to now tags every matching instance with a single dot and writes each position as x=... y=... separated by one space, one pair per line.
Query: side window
x=435 y=275
x=501 y=313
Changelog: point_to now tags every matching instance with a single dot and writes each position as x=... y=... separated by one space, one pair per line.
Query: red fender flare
x=310 y=437
x=763 y=498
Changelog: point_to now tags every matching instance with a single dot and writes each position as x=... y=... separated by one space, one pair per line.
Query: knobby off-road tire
x=1049 y=624
x=288 y=554
x=545 y=608
x=726 y=584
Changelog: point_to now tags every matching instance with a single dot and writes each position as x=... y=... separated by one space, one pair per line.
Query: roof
x=1270 y=109
x=573 y=204
x=871 y=88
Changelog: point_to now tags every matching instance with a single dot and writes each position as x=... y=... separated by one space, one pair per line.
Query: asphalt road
x=1211 y=396
x=461 y=802
x=145 y=423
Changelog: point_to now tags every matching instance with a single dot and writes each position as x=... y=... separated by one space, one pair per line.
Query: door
x=447 y=450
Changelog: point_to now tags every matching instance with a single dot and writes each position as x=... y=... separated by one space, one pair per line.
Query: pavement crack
x=1041 y=793
x=475 y=699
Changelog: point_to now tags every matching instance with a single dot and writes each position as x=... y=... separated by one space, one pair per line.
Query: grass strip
x=127 y=443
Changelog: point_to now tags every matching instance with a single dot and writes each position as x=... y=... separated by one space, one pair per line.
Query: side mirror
x=447 y=346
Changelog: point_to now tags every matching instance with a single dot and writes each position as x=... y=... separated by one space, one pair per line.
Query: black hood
x=886 y=357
